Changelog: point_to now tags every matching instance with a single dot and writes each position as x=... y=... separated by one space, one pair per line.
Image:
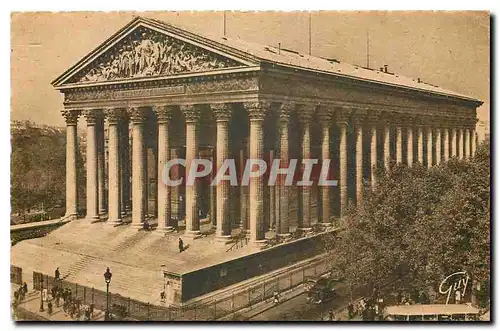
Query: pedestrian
x=91 y=310
x=57 y=274
x=49 y=308
x=146 y=226
x=331 y=315
x=16 y=297
x=350 y=310
x=457 y=297
x=162 y=296
x=181 y=245
x=87 y=314
x=25 y=288
x=53 y=292
x=276 y=298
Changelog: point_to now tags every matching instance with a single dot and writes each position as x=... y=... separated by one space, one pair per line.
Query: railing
x=214 y=310
x=239 y=243
x=16 y=275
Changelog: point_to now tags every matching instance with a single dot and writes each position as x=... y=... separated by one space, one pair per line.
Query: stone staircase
x=74 y=270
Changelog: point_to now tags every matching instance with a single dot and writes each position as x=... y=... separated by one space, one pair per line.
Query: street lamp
x=107 y=279
x=41 y=299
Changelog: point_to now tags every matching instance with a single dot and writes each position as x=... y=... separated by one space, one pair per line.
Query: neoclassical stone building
x=165 y=93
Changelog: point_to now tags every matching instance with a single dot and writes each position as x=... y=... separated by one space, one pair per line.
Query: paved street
x=298 y=308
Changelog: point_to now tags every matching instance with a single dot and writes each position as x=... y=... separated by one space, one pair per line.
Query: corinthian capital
x=114 y=114
x=324 y=115
x=222 y=111
x=92 y=115
x=136 y=114
x=71 y=116
x=257 y=110
x=163 y=113
x=285 y=111
x=305 y=113
x=191 y=112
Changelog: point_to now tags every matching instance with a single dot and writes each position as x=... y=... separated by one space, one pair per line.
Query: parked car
x=321 y=290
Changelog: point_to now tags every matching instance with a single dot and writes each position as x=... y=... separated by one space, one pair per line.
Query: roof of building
x=296 y=60
x=436 y=309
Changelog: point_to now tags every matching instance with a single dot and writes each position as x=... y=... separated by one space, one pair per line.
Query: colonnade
x=443 y=139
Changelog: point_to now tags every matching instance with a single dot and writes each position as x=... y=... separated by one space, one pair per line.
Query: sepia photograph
x=319 y=166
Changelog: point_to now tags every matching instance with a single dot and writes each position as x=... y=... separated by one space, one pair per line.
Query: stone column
x=213 y=191
x=71 y=117
x=343 y=167
x=175 y=192
x=101 y=164
x=163 y=114
x=467 y=142
x=446 y=145
x=373 y=155
x=92 y=186
x=473 y=142
x=192 y=115
x=420 y=144
x=460 y=143
x=114 y=203
x=409 y=145
x=284 y=229
x=387 y=145
x=324 y=117
x=125 y=166
x=256 y=114
x=429 y=147
x=399 y=144
x=222 y=113
x=305 y=113
x=244 y=214
x=454 y=142
x=359 y=163
x=438 y=146
x=137 y=115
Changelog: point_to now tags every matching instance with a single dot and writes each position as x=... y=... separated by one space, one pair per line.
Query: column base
x=114 y=222
x=71 y=216
x=224 y=239
x=326 y=225
x=304 y=230
x=137 y=225
x=259 y=243
x=284 y=235
x=192 y=234
x=92 y=218
x=163 y=230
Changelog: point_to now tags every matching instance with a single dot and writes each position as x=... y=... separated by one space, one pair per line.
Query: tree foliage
x=418 y=226
x=38 y=164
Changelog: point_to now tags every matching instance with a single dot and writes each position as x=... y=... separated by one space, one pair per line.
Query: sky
x=448 y=49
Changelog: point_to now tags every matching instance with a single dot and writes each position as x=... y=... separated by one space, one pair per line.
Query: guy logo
x=454 y=282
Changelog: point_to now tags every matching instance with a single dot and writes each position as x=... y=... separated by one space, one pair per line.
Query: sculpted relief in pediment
x=146 y=53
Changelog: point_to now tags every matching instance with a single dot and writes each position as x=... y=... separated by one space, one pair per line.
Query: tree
x=38 y=164
x=417 y=226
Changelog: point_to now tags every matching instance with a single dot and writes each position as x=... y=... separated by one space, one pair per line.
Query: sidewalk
x=30 y=306
x=248 y=312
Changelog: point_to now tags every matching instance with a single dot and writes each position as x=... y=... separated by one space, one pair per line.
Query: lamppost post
x=41 y=299
x=107 y=279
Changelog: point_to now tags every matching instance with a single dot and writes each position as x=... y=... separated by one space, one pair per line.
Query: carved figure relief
x=149 y=53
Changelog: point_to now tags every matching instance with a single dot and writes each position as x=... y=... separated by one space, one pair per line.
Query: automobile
x=321 y=289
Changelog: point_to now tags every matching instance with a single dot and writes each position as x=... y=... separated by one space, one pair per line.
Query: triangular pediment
x=147 y=50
